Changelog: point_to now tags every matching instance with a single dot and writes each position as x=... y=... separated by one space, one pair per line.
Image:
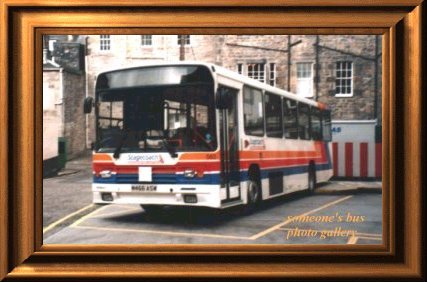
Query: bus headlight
x=189 y=173
x=106 y=173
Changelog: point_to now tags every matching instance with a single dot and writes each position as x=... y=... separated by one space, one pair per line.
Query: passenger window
x=290 y=119
x=273 y=115
x=326 y=125
x=316 y=124
x=304 y=121
x=253 y=112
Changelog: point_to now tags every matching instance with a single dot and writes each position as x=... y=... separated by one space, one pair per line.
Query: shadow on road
x=199 y=217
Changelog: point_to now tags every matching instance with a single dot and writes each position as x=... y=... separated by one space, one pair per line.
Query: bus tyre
x=312 y=179
x=152 y=209
x=253 y=195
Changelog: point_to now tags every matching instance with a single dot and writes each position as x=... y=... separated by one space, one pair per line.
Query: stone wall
x=232 y=55
x=359 y=49
x=52 y=112
x=63 y=95
x=74 y=118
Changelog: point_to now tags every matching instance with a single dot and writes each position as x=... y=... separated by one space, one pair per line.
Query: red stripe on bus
x=378 y=160
x=349 y=158
x=211 y=166
x=364 y=149
x=335 y=159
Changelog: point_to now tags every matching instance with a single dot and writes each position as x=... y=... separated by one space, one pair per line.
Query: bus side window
x=253 y=112
x=316 y=130
x=273 y=115
x=290 y=119
x=326 y=125
x=304 y=121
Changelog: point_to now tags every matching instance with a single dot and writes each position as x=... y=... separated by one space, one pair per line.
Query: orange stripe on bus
x=101 y=157
x=200 y=156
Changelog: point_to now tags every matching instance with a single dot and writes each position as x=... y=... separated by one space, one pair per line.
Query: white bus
x=196 y=134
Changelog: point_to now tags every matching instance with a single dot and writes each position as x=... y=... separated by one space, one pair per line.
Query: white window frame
x=339 y=71
x=256 y=74
x=240 y=66
x=185 y=43
x=146 y=40
x=105 y=42
x=272 y=74
x=310 y=78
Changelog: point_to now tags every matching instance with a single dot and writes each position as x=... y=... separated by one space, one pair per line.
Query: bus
x=196 y=134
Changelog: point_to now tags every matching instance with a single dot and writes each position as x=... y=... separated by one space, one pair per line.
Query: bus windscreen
x=156 y=118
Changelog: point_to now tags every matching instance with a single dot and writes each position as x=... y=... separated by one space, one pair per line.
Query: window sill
x=343 y=95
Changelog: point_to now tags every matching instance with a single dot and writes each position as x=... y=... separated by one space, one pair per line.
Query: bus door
x=229 y=145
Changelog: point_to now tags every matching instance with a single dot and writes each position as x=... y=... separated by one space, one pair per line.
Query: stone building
x=64 y=124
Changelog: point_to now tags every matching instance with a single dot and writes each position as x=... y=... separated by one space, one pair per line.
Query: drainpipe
x=61 y=91
x=376 y=76
x=317 y=61
x=86 y=93
x=182 y=51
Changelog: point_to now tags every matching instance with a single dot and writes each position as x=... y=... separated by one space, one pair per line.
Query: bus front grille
x=156 y=179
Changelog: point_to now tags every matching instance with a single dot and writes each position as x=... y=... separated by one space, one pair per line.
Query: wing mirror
x=88 y=103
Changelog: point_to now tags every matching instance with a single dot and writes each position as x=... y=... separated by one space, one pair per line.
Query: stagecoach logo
x=145 y=158
x=257 y=144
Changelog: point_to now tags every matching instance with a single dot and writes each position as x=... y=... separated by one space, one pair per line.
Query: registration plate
x=143 y=188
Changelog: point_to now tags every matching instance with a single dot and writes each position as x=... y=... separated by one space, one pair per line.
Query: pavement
x=68 y=192
x=357 y=219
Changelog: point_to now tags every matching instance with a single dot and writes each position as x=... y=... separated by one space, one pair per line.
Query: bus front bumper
x=178 y=195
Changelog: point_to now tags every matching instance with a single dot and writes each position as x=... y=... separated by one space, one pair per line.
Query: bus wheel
x=152 y=209
x=253 y=195
x=312 y=179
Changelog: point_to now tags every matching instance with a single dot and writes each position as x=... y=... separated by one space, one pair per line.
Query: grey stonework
x=67 y=110
x=74 y=119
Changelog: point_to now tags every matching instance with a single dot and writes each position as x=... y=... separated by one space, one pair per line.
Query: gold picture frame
x=24 y=257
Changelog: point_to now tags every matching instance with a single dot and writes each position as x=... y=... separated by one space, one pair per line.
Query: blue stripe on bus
x=208 y=179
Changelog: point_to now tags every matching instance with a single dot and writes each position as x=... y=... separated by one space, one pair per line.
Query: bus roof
x=218 y=70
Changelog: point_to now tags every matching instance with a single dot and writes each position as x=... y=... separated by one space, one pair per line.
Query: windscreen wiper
x=169 y=148
x=116 y=153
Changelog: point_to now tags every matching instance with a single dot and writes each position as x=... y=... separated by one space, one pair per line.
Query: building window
x=104 y=42
x=257 y=71
x=239 y=67
x=305 y=79
x=344 y=78
x=185 y=38
x=272 y=74
x=146 y=40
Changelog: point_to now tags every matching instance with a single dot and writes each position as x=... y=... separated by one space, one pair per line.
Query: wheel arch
x=254 y=171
